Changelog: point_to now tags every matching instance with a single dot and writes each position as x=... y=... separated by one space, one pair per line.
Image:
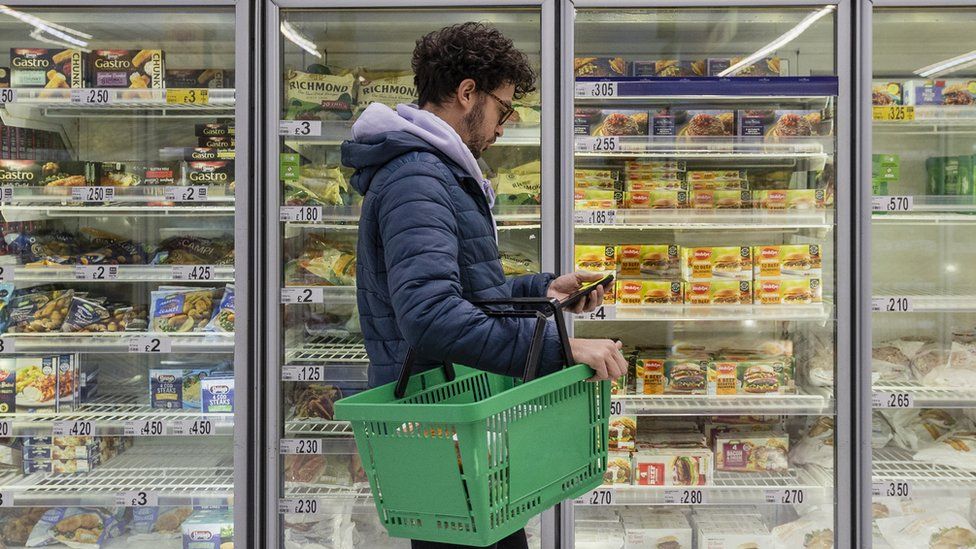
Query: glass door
x=327 y=66
x=923 y=354
x=708 y=174
x=118 y=381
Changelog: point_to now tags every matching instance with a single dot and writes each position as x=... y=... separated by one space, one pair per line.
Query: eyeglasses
x=508 y=111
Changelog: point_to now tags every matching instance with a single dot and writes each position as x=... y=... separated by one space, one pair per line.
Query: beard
x=473 y=122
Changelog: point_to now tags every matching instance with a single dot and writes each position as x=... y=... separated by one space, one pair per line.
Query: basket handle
x=540 y=308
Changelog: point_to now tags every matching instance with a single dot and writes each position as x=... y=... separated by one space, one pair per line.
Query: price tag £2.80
x=685 y=496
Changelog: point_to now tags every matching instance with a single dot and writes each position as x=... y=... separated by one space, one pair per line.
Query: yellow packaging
x=789 y=199
x=649 y=292
x=785 y=291
x=655 y=200
x=648 y=260
x=599 y=259
x=722 y=377
x=595 y=199
x=723 y=262
x=718 y=292
x=791 y=260
x=654 y=165
x=719 y=199
x=649 y=376
x=653 y=184
x=606 y=180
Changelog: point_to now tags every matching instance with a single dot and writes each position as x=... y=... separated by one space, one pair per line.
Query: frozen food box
x=11 y=455
x=19 y=173
x=217 y=394
x=655 y=182
x=641 y=167
x=37 y=384
x=4 y=77
x=219 y=172
x=596 y=179
x=609 y=122
x=8 y=385
x=214 y=130
x=755 y=452
x=204 y=154
x=672 y=467
x=720 y=199
x=787 y=261
x=199 y=78
x=948 y=91
x=715 y=65
x=717 y=180
x=780 y=123
x=649 y=292
x=655 y=200
x=766 y=376
x=600 y=67
x=596 y=199
x=685 y=376
x=126 y=69
x=207 y=142
x=721 y=262
x=886 y=167
x=649 y=376
x=166 y=388
x=718 y=292
x=668 y=68
x=623 y=432
x=518 y=189
x=657 y=530
x=703 y=123
x=620 y=468
x=949 y=175
x=208 y=529
x=317 y=96
x=128 y=174
x=618 y=386
x=885 y=93
x=789 y=199
x=600 y=259
x=733 y=532
x=46 y=68
x=648 y=260
x=770 y=66
x=787 y=291
x=389 y=88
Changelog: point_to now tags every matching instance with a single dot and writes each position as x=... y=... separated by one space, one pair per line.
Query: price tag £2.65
x=892 y=400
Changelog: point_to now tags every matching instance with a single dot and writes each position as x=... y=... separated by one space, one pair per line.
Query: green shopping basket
x=468 y=457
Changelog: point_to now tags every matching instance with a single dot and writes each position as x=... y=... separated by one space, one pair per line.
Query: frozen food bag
x=816 y=445
x=319 y=95
x=181 y=310
x=76 y=527
x=933 y=530
x=917 y=426
x=223 y=315
x=814 y=530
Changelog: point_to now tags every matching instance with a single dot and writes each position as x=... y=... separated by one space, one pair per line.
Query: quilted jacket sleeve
x=419 y=230
x=533 y=285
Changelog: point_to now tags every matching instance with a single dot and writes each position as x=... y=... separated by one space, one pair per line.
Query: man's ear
x=466 y=94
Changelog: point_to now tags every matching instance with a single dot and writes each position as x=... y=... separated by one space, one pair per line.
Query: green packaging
x=886 y=167
x=949 y=175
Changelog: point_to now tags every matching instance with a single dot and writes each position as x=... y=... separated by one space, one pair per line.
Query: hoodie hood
x=381 y=134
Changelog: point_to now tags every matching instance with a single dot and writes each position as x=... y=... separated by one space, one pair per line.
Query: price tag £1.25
x=297 y=372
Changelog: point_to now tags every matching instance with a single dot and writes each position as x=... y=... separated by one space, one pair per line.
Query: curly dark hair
x=443 y=58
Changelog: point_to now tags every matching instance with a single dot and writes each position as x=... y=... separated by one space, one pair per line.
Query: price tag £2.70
x=600 y=496
x=300 y=128
x=137 y=499
x=785 y=496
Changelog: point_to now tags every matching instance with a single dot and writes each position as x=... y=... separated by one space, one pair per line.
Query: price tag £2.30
x=300 y=446
x=298 y=506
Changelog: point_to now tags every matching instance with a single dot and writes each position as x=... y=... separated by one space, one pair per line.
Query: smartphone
x=585 y=290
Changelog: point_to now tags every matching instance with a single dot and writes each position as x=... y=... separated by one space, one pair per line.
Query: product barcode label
x=595 y=217
x=892 y=489
x=300 y=446
x=7 y=273
x=892 y=304
x=600 y=496
x=6 y=193
x=137 y=499
x=597 y=144
x=144 y=428
x=302 y=295
x=8 y=95
x=299 y=506
x=300 y=128
x=685 y=496
x=91 y=96
x=6 y=427
x=92 y=194
x=892 y=203
x=293 y=372
x=194 y=272
x=603 y=312
x=786 y=496
x=150 y=344
x=187 y=194
x=892 y=400
x=6 y=499
x=77 y=428
x=300 y=214
x=6 y=346
x=96 y=272
x=193 y=427
x=596 y=89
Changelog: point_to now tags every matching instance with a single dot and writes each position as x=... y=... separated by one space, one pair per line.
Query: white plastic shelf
x=29 y=211
x=705 y=405
x=896 y=464
x=126 y=273
x=935 y=120
x=691 y=219
x=124 y=103
x=118 y=342
x=930 y=397
x=931 y=210
x=815 y=312
x=359 y=495
x=347 y=218
x=298 y=428
x=335 y=132
x=812 y=149
x=925 y=299
x=329 y=351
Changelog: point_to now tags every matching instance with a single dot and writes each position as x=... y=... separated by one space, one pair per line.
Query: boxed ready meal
x=166 y=389
x=214 y=130
x=787 y=261
x=752 y=452
x=719 y=200
x=722 y=262
x=672 y=466
x=949 y=91
x=126 y=69
x=694 y=123
x=596 y=199
x=685 y=376
x=199 y=78
x=19 y=173
x=217 y=394
x=649 y=376
x=648 y=260
x=770 y=66
x=641 y=167
x=655 y=200
x=620 y=469
x=787 y=123
x=657 y=530
x=609 y=122
x=208 y=529
x=649 y=292
x=668 y=68
x=758 y=376
x=4 y=77
x=623 y=432
x=884 y=93
x=600 y=67
x=789 y=199
x=8 y=385
x=717 y=180
x=218 y=172
x=788 y=291
x=733 y=532
x=227 y=142
x=47 y=68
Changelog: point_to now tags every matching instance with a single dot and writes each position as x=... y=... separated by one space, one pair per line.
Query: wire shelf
x=685 y=405
x=329 y=350
x=930 y=397
x=896 y=464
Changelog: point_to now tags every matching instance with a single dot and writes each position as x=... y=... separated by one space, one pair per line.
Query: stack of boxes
x=68 y=455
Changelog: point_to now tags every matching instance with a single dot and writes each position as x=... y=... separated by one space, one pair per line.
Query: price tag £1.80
x=300 y=214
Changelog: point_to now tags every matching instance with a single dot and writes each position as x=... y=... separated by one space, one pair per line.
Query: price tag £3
x=188 y=96
x=137 y=499
x=300 y=128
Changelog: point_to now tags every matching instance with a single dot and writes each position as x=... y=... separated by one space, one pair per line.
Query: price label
x=603 y=312
x=300 y=446
x=600 y=496
x=144 y=428
x=892 y=304
x=194 y=272
x=188 y=96
x=892 y=489
x=91 y=96
x=92 y=194
x=293 y=372
x=786 y=496
x=150 y=344
x=892 y=400
x=302 y=295
x=301 y=214
x=896 y=113
x=6 y=194
x=8 y=95
x=686 y=496
x=187 y=194
x=300 y=128
x=892 y=203
x=193 y=428
x=6 y=428
x=596 y=89
x=137 y=499
x=595 y=217
x=6 y=499
x=301 y=506
x=6 y=273
x=618 y=408
x=6 y=346
x=96 y=272
x=78 y=428
x=598 y=144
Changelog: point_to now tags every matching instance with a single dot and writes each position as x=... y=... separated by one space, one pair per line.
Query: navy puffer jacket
x=426 y=247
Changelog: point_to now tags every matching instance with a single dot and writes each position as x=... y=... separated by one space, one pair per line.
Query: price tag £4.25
x=193 y=272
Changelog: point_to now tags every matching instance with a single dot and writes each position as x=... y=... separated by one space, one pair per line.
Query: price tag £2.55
x=598 y=144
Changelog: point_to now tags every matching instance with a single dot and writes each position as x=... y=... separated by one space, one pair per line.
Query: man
x=427 y=241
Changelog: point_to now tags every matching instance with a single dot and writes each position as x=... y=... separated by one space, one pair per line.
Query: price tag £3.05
x=595 y=89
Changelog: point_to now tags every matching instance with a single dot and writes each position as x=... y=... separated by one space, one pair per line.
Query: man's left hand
x=562 y=287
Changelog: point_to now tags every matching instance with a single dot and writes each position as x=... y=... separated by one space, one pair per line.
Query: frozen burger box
x=788 y=291
x=751 y=377
x=708 y=263
x=596 y=199
x=718 y=292
x=885 y=93
x=655 y=200
x=650 y=260
x=939 y=92
x=620 y=469
x=720 y=180
x=787 y=261
x=733 y=532
x=685 y=376
x=710 y=199
x=46 y=68
x=649 y=292
x=649 y=376
x=623 y=432
x=755 y=452
x=657 y=530
x=672 y=466
x=789 y=199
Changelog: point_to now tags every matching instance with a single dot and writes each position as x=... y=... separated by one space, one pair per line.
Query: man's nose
x=499 y=130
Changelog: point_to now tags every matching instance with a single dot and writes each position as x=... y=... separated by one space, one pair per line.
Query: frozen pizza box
x=600 y=67
x=610 y=122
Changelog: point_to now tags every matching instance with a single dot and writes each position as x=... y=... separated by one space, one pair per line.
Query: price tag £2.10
x=892 y=304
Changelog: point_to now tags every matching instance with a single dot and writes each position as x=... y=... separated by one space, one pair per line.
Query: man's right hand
x=603 y=355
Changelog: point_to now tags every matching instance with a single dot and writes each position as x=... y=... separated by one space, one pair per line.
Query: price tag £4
x=685 y=496
x=300 y=128
x=137 y=499
x=603 y=312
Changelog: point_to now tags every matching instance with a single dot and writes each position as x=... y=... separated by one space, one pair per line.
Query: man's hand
x=603 y=355
x=565 y=285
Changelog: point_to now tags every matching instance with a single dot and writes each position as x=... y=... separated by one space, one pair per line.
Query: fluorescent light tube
x=786 y=38
x=948 y=65
x=295 y=37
